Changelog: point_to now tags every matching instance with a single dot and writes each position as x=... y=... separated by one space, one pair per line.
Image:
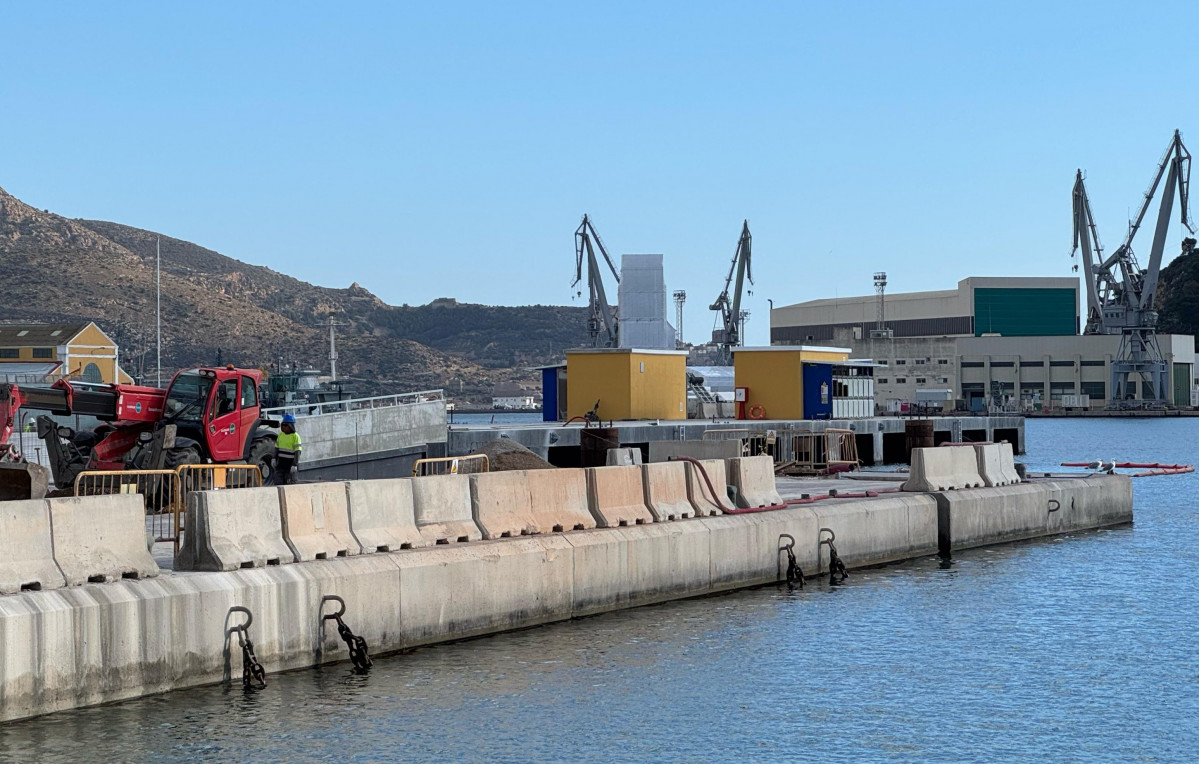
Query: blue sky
x=450 y=149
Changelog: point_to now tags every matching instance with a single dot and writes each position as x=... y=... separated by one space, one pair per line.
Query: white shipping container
x=1076 y=401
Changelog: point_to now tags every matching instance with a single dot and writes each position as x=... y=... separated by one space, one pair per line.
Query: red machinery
x=205 y=415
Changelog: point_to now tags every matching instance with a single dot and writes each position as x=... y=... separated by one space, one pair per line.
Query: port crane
x=1120 y=294
x=728 y=336
x=602 y=322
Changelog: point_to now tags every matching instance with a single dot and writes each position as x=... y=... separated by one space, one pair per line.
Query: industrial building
x=993 y=343
x=43 y=353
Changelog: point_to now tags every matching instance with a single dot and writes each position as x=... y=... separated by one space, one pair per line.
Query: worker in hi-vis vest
x=287 y=450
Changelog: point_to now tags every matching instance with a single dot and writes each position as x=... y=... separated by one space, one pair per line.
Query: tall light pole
x=680 y=297
x=158 y=303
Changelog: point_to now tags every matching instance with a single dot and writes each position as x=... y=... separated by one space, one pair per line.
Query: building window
x=1061 y=387
x=1096 y=390
x=920 y=380
x=943 y=361
x=1002 y=364
x=1062 y=363
x=901 y=380
x=919 y=361
x=972 y=364
x=43 y=352
x=1094 y=363
x=943 y=380
x=9 y=353
x=91 y=373
x=882 y=381
x=1027 y=364
x=900 y=362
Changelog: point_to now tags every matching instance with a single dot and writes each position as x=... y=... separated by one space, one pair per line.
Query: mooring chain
x=253 y=675
x=836 y=567
x=794 y=573
x=357 y=645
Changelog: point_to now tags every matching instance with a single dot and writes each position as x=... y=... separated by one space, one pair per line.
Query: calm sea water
x=1078 y=648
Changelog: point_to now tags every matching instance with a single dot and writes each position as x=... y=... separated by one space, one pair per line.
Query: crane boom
x=601 y=319
x=729 y=335
x=1123 y=304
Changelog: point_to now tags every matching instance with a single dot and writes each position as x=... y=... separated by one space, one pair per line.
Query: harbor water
x=1080 y=647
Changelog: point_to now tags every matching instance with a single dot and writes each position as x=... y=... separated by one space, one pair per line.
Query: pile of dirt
x=506 y=454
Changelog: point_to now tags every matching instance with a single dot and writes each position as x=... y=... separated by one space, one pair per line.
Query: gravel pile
x=506 y=454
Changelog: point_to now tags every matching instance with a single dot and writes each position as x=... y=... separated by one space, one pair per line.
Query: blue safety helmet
x=289 y=419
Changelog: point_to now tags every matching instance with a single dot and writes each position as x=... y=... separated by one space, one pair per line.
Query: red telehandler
x=206 y=415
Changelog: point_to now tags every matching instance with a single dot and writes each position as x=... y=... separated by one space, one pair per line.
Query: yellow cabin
x=629 y=383
x=774 y=379
x=38 y=353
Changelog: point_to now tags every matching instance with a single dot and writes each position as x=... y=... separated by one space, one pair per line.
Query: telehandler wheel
x=262 y=454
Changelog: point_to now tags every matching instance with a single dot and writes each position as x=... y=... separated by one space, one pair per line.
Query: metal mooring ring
x=339 y=601
x=1054 y=505
x=791 y=544
x=249 y=618
x=832 y=536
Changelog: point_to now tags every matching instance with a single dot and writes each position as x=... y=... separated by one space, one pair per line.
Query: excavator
x=206 y=415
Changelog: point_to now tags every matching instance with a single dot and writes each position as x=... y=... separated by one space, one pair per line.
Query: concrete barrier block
x=943 y=468
x=316 y=521
x=879 y=530
x=559 y=500
x=666 y=491
x=993 y=468
x=100 y=538
x=441 y=505
x=754 y=478
x=484 y=588
x=1091 y=502
x=667 y=561
x=26 y=552
x=745 y=549
x=381 y=515
x=617 y=497
x=979 y=516
x=637 y=565
x=232 y=529
x=39 y=673
x=623 y=457
x=501 y=505
x=697 y=488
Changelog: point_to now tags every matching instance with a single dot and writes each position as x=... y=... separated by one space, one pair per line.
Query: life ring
x=756 y=412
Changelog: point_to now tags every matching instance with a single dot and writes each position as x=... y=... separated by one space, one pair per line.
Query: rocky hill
x=1178 y=295
x=60 y=269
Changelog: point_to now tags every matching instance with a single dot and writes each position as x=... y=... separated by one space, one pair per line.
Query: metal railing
x=451 y=465
x=164 y=492
x=161 y=492
x=357 y=404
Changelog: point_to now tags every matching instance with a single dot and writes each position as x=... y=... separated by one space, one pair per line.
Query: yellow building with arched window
x=39 y=353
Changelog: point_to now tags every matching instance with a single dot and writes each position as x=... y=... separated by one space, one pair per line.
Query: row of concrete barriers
x=956 y=467
x=256 y=527
x=52 y=543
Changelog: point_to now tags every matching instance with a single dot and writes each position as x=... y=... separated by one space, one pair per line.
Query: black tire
x=177 y=457
x=262 y=455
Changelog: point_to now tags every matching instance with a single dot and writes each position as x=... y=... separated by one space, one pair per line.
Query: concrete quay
x=81 y=645
x=880 y=440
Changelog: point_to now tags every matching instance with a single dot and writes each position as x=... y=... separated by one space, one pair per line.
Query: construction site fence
x=451 y=465
x=804 y=451
x=165 y=491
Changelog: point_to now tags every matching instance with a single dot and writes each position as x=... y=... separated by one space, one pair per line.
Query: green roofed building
x=993 y=342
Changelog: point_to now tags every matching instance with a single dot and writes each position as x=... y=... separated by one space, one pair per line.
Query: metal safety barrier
x=753 y=442
x=451 y=465
x=816 y=453
x=161 y=491
x=210 y=477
